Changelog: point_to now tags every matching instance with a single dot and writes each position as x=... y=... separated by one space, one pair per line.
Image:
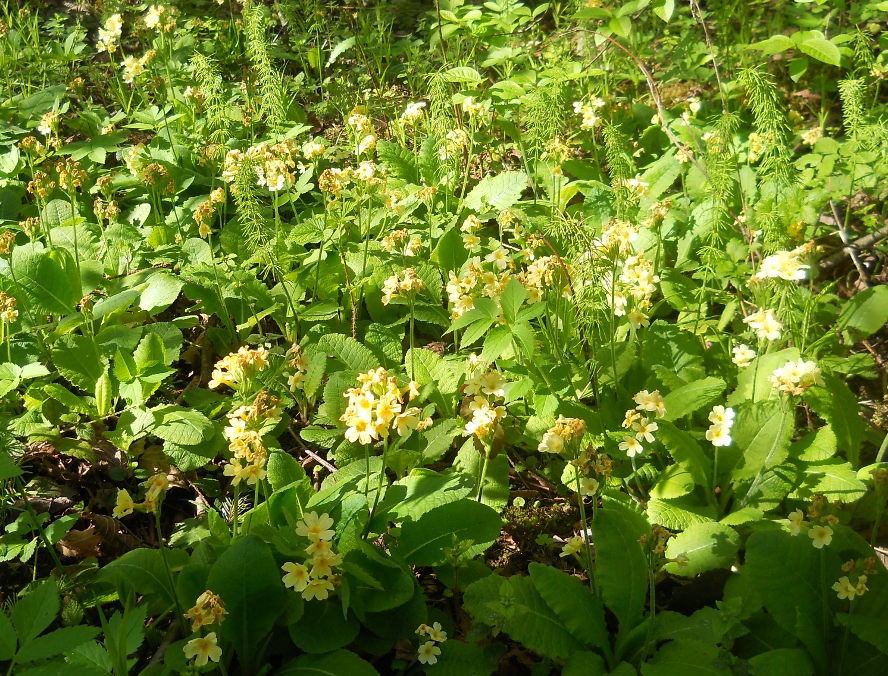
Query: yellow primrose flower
x=202 y=649
x=428 y=653
x=317 y=589
x=796 y=521
x=297 y=576
x=316 y=527
x=124 y=504
x=821 y=536
x=845 y=589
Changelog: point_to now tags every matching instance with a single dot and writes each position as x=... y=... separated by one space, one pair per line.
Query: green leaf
x=679 y=513
x=686 y=452
x=496 y=481
x=816 y=447
x=427 y=490
x=497 y=192
x=462 y=74
x=162 y=291
x=511 y=299
x=497 y=341
x=348 y=351
x=8 y=639
x=762 y=432
x=385 y=343
x=422 y=542
x=533 y=623
x=673 y=482
x=283 y=470
x=143 y=572
x=693 y=396
x=335 y=664
x=398 y=160
x=580 y=612
x=836 y=404
x=786 y=576
x=59 y=642
x=707 y=546
x=150 y=352
x=621 y=565
x=43 y=281
x=837 y=480
x=686 y=658
x=820 y=48
x=79 y=360
x=451 y=252
x=773 y=45
x=782 y=661
x=248 y=580
x=183 y=427
x=36 y=611
x=322 y=627
x=8 y=469
x=10 y=378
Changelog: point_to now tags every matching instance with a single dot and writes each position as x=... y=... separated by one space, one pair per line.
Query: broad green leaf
x=686 y=451
x=79 y=360
x=496 y=481
x=427 y=490
x=497 y=341
x=348 y=351
x=821 y=49
x=142 y=571
x=335 y=664
x=869 y=618
x=573 y=603
x=43 y=281
x=10 y=378
x=837 y=480
x=773 y=45
x=533 y=623
x=450 y=252
x=707 y=546
x=283 y=470
x=511 y=299
x=183 y=427
x=150 y=352
x=35 y=611
x=111 y=304
x=463 y=74
x=248 y=580
x=497 y=192
x=162 y=291
x=398 y=160
x=322 y=627
x=693 y=396
x=8 y=469
x=679 y=513
x=673 y=482
x=686 y=657
x=782 y=661
x=815 y=447
x=866 y=312
x=787 y=577
x=422 y=542
x=57 y=213
x=385 y=343
x=59 y=642
x=621 y=565
x=761 y=432
x=8 y=639
x=836 y=404
x=439 y=439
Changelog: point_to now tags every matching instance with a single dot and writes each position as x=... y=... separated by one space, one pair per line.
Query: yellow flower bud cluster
x=244 y=434
x=378 y=406
x=238 y=367
x=109 y=34
x=564 y=429
x=397 y=286
x=207 y=610
x=156 y=486
x=273 y=164
x=795 y=377
x=205 y=212
x=315 y=578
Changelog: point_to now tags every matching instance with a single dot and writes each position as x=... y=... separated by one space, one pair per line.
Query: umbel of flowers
x=428 y=652
x=378 y=406
x=155 y=488
x=315 y=578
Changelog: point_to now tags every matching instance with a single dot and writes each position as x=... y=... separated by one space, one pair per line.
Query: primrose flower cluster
x=207 y=610
x=396 y=286
x=784 y=265
x=155 y=487
x=561 y=433
x=820 y=534
x=642 y=424
x=239 y=367
x=861 y=570
x=722 y=419
x=315 y=578
x=483 y=389
x=244 y=434
x=378 y=406
x=587 y=111
x=109 y=34
x=273 y=164
x=765 y=325
x=429 y=651
x=795 y=377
